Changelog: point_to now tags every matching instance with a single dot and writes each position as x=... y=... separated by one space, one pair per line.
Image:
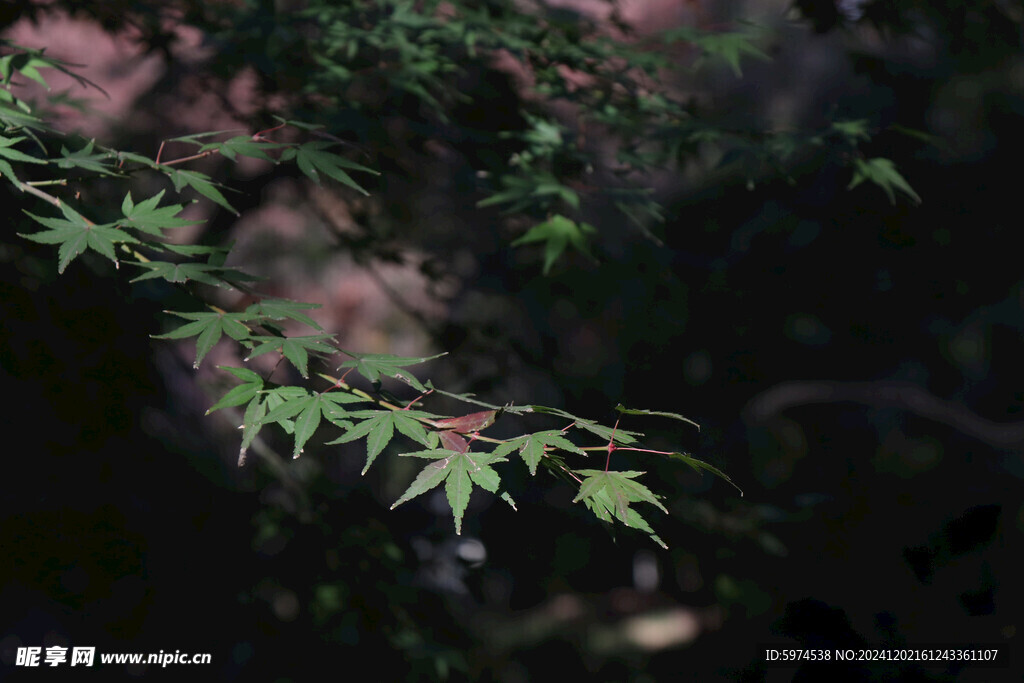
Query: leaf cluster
x=355 y=54
x=448 y=441
x=369 y=56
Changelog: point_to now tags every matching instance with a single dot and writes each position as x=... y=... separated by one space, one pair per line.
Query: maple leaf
x=729 y=46
x=179 y=272
x=295 y=349
x=467 y=424
x=7 y=151
x=619 y=435
x=882 y=172
x=639 y=411
x=75 y=234
x=313 y=159
x=373 y=365
x=245 y=146
x=208 y=326
x=279 y=309
x=459 y=471
x=145 y=215
x=378 y=426
x=201 y=183
x=700 y=466
x=300 y=412
x=609 y=494
x=100 y=163
x=532 y=447
x=251 y=385
x=558 y=232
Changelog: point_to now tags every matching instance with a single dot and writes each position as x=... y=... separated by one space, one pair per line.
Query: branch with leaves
x=459 y=454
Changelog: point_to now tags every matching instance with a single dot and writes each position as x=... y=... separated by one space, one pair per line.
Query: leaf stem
x=418 y=398
x=38 y=183
x=611 y=447
x=49 y=198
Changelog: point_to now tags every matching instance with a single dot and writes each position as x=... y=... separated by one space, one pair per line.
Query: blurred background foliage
x=849 y=354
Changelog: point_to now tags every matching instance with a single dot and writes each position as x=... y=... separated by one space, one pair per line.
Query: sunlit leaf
x=532 y=447
x=243 y=393
x=74 y=234
x=145 y=215
x=459 y=471
x=431 y=475
x=611 y=494
x=208 y=326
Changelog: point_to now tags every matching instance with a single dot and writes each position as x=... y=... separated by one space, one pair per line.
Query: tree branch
x=884 y=394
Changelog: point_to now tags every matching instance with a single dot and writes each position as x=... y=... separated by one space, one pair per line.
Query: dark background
x=854 y=365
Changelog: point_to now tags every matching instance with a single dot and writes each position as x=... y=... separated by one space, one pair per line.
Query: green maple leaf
x=533 y=446
x=313 y=159
x=209 y=326
x=7 y=151
x=300 y=415
x=251 y=425
x=300 y=412
x=853 y=130
x=378 y=426
x=145 y=215
x=373 y=365
x=334 y=411
x=639 y=411
x=7 y=171
x=278 y=406
x=459 y=471
x=200 y=182
x=729 y=46
x=28 y=62
x=245 y=146
x=882 y=172
x=15 y=119
x=257 y=411
x=217 y=255
x=179 y=272
x=101 y=162
x=295 y=349
x=609 y=494
x=557 y=233
x=517 y=194
x=603 y=507
x=251 y=385
x=521 y=193
x=123 y=157
x=620 y=436
x=700 y=466
x=75 y=234
x=279 y=309
x=196 y=138
x=306 y=422
x=621 y=488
